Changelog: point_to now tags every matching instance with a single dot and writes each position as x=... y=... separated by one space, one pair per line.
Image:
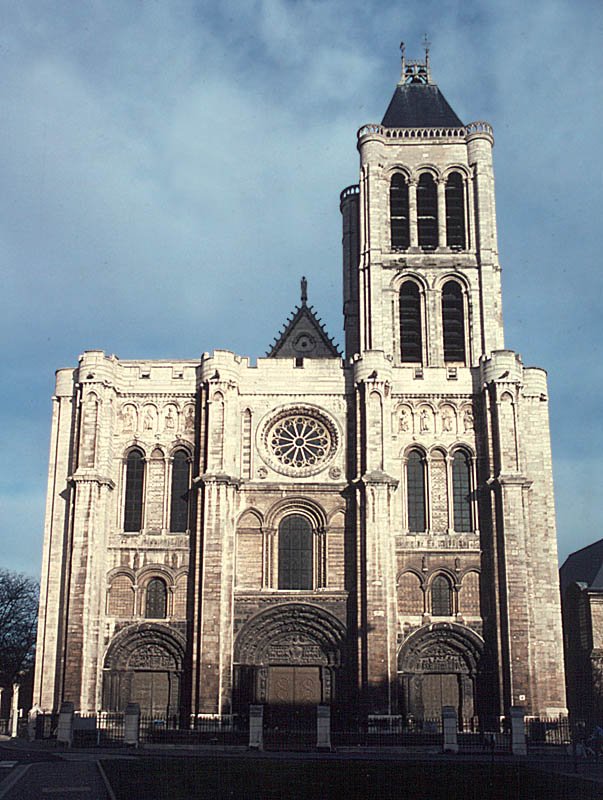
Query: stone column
x=256 y=727
x=518 y=732
x=450 y=729
x=412 y=214
x=441 y=186
x=323 y=728
x=14 y=711
x=132 y=724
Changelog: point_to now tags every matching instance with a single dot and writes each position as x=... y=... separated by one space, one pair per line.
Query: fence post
x=132 y=724
x=450 y=729
x=14 y=712
x=323 y=728
x=518 y=731
x=65 y=726
x=256 y=727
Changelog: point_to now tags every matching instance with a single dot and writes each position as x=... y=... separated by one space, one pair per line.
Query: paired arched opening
x=411 y=336
x=439 y=491
x=134 y=492
x=399 y=213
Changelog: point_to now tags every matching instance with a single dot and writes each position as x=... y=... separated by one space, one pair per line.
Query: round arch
x=143 y=664
x=438 y=665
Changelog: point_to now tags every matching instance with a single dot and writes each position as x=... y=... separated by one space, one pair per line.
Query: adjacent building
x=373 y=528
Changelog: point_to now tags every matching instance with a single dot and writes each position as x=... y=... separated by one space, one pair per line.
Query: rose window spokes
x=300 y=441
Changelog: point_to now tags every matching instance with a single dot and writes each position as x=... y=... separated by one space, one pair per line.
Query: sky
x=169 y=170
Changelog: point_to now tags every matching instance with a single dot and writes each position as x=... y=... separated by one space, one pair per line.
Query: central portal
x=294 y=686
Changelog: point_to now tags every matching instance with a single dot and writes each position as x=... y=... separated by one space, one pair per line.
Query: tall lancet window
x=180 y=489
x=453 y=322
x=427 y=212
x=398 y=209
x=415 y=488
x=455 y=212
x=411 y=340
x=295 y=553
x=134 y=491
x=461 y=487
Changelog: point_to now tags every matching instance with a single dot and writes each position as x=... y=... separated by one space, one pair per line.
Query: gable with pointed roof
x=304 y=335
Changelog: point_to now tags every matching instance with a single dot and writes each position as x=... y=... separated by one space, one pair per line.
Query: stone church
x=373 y=529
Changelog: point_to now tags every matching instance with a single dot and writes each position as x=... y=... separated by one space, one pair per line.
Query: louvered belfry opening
x=461 y=487
x=295 y=553
x=134 y=490
x=180 y=489
x=453 y=321
x=415 y=488
x=399 y=219
x=411 y=340
x=455 y=212
x=427 y=212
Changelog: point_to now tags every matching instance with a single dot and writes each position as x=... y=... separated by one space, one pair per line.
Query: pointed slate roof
x=585 y=566
x=303 y=335
x=419 y=105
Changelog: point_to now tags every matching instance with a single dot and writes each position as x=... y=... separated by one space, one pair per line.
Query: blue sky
x=170 y=169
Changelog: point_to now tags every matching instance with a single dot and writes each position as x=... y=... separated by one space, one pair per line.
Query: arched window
x=427 y=212
x=411 y=339
x=415 y=486
x=461 y=487
x=398 y=209
x=134 y=490
x=295 y=553
x=455 y=212
x=180 y=488
x=453 y=322
x=441 y=597
x=156 y=599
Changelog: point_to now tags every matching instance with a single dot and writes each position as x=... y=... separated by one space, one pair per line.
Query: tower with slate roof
x=374 y=530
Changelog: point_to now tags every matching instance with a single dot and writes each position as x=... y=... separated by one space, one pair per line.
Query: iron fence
x=348 y=730
x=541 y=731
x=105 y=728
x=226 y=730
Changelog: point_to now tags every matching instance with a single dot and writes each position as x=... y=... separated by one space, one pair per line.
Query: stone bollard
x=65 y=726
x=450 y=729
x=14 y=712
x=132 y=725
x=323 y=728
x=518 y=731
x=256 y=727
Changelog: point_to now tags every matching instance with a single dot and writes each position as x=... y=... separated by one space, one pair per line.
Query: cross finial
x=304 y=291
x=427 y=45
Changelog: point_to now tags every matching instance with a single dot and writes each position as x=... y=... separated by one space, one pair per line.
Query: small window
x=461 y=487
x=441 y=597
x=156 y=599
x=411 y=338
x=295 y=553
x=427 y=212
x=453 y=322
x=134 y=490
x=180 y=492
x=398 y=209
x=415 y=487
x=455 y=212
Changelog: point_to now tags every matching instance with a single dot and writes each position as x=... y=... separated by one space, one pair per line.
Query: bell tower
x=454 y=500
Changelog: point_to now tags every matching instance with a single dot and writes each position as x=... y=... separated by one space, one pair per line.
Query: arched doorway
x=438 y=666
x=143 y=665
x=288 y=656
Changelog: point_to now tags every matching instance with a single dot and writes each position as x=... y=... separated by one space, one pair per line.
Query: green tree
x=18 y=619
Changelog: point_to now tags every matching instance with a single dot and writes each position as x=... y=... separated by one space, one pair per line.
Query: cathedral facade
x=374 y=529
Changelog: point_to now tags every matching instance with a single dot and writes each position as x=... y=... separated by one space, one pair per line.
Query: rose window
x=299 y=441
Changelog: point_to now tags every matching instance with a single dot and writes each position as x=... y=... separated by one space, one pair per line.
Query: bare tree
x=18 y=618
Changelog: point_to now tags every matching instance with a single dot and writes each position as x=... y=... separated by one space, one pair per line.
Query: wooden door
x=440 y=690
x=294 y=686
